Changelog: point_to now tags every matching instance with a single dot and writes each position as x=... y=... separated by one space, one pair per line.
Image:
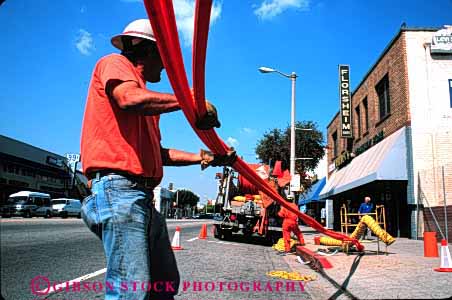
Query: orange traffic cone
x=176 y=240
x=446 y=262
x=203 y=233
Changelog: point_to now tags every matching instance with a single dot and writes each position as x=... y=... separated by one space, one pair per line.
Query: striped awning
x=312 y=194
x=384 y=161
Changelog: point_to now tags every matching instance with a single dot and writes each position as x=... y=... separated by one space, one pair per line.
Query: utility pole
x=293 y=78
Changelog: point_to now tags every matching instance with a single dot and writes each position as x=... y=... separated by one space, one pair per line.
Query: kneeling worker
x=290 y=224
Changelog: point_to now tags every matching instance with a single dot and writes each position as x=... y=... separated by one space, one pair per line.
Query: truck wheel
x=227 y=235
x=64 y=215
x=48 y=214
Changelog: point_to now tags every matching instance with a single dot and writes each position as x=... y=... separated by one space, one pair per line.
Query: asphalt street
x=60 y=250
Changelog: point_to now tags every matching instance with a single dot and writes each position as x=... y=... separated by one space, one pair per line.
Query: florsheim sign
x=346 y=101
x=442 y=41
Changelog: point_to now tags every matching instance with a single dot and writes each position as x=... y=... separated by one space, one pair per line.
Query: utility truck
x=244 y=209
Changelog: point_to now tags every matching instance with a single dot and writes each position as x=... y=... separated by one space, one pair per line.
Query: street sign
x=72 y=160
x=295 y=185
x=73 y=157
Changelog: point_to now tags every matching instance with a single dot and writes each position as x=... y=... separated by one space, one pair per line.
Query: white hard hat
x=140 y=28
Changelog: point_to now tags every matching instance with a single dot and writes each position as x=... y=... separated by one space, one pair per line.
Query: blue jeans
x=120 y=213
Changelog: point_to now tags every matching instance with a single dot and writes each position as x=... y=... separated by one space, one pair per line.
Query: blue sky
x=50 y=47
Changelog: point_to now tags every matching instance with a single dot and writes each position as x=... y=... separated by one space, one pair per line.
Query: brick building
x=401 y=114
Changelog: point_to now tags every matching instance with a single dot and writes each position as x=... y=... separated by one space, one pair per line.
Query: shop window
x=349 y=145
x=38 y=201
x=384 y=102
x=334 y=137
x=366 y=115
x=358 y=120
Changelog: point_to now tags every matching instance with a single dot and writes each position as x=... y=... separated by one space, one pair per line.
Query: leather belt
x=147 y=182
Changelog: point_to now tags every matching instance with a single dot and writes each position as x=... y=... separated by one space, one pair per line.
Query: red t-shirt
x=287 y=214
x=113 y=138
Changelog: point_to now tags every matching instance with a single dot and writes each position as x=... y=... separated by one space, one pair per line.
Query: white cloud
x=272 y=8
x=247 y=130
x=84 y=42
x=185 y=18
x=232 y=142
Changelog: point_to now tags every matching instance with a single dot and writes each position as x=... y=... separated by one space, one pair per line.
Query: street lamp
x=293 y=78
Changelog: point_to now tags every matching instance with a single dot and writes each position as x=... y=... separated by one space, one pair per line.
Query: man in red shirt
x=123 y=159
x=290 y=224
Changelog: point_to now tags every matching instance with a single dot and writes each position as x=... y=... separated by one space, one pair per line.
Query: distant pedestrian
x=365 y=208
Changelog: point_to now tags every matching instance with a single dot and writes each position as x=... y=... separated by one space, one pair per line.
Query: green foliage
x=183 y=197
x=275 y=145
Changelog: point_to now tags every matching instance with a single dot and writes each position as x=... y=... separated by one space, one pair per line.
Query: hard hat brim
x=116 y=41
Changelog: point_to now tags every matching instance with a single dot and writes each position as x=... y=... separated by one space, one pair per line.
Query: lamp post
x=293 y=78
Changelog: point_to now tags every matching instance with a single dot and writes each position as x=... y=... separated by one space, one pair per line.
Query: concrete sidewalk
x=404 y=273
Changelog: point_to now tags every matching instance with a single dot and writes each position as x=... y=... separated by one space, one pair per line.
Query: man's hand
x=210 y=119
x=210 y=159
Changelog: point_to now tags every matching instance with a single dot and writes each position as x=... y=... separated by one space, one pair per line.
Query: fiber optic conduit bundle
x=365 y=222
x=163 y=22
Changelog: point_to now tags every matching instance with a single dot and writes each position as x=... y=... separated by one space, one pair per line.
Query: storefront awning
x=384 y=161
x=312 y=194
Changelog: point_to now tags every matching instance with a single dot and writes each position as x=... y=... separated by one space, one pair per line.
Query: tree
x=275 y=145
x=185 y=197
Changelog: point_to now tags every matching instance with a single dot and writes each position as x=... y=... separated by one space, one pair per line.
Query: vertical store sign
x=346 y=101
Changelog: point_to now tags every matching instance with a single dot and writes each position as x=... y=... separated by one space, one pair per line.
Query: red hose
x=163 y=22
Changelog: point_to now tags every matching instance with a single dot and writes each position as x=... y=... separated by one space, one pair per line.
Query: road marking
x=221 y=242
x=193 y=239
x=226 y=243
x=3 y=220
x=68 y=284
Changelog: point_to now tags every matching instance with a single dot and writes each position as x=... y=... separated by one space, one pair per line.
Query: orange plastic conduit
x=163 y=21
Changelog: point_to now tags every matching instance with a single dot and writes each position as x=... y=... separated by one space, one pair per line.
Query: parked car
x=27 y=204
x=66 y=207
x=206 y=216
x=217 y=217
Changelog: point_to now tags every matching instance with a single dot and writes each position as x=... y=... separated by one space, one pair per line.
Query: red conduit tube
x=202 y=20
x=163 y=22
